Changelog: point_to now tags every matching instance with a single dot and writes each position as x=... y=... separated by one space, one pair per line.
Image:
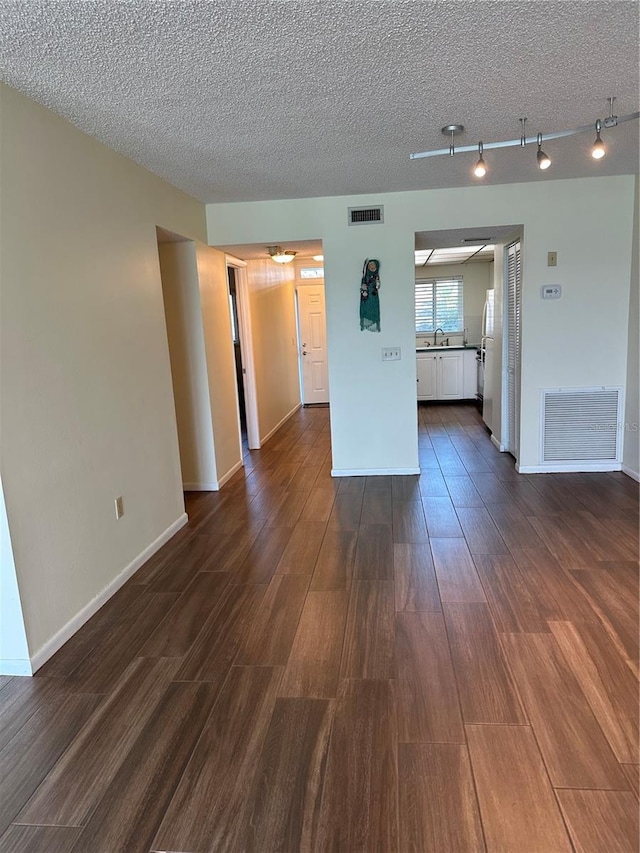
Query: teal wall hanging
x=369 y=299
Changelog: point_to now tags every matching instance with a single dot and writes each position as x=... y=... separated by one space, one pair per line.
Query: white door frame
x=246 y=351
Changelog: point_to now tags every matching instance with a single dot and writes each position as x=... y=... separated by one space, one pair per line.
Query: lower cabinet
x=448 y=375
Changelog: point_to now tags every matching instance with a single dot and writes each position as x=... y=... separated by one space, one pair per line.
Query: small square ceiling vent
x=366 y=215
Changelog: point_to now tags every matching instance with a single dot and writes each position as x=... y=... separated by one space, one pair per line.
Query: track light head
x=480 y=169
x=598 y=150
x=544 y=161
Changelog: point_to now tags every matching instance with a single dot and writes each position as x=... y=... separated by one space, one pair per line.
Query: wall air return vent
x=366 y=215
x=581 y=426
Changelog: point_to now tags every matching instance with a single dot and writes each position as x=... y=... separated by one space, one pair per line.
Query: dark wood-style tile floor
x=441 y=663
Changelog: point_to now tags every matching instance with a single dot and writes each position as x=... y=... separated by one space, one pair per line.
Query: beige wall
x=181 y=293
x=275 y=350
x=87 y=403
x=631 y=458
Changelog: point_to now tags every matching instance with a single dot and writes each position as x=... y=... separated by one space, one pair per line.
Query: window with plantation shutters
x=439 y=305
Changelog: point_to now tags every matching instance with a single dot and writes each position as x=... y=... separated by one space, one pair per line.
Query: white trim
x=67 y=631
x=272 y=432
x=372 y=472
x=497 y=444
x=233 y=470
x=246 y=351
x=15 y=667
x=568 y=467
x=212 y=486
x=631 y=473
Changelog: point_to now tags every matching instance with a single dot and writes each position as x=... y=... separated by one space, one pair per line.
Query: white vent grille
x=366 y=215
x=581 y=425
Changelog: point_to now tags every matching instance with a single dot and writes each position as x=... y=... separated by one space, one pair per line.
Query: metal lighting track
x=511 y=143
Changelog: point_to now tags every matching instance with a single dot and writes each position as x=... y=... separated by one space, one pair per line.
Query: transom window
x=439 y=305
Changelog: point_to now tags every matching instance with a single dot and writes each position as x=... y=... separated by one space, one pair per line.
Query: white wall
x=587 y=221
x=87 y=403
x=275 y=350
x=181 y=294
x=631 y=458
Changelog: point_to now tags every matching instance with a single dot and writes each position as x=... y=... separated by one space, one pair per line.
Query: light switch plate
x=552 y=259
x=391 y=354
x=551 y=291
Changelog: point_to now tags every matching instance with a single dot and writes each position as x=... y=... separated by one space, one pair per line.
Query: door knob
x=304 y=352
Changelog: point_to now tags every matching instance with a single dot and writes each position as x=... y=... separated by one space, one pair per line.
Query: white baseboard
x=15 y=667
x=631 y=473
x=212 y=486
x=67 y=631
x=497 y=444
x=226 y=477
x=272 y=432
x=568 y=468
x=372 y=472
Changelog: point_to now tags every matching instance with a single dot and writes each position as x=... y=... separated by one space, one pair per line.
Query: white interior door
x=312 y=328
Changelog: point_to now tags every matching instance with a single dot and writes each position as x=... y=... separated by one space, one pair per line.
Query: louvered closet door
x=514 y=298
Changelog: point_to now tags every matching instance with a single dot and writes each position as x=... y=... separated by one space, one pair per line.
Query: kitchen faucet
x=435 y=334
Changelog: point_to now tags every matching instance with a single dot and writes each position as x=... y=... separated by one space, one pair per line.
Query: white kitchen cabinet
x=469 y=374
x=440 y=375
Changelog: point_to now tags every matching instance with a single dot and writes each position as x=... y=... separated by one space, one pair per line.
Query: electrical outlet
x=119 y=507
x=552 y=259
x=391 y=354
x=551 y=291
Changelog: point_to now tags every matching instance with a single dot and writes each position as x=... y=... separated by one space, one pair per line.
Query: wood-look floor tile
x=511 y=594
x=529 y=500
x=632 y=773
x=369 y=638
x=318 y=505
x=374 y=552
x=442 y=521
x=463 y=492
x=455 y=570
x=601 y=820
x=428 y=707
x=111 y=617
x=203 y=813
x=480 y=532
x=130 y=810
x=427 y=459
x=416 y=587
x=432 y=484
x=305 y=477
x=438 y=805
x=157 y=561
x=39 y=839
x=381 y=482
x=596 y=534
x=565 y=545
x=78 y=781
x=30 y=755
x=517 y=805
x=406 y=487
x=485 y=684
x=606 y=681
x=175 y=634
x=334 y=566
x=409 y=523
x=355 y=485
x=230 y=547
x=346 y=511
x=303 y=547
x=376 y=507
x=283 y=807
x=514 y=526
x=21 y=698
x=613 y=593
x=288 y=512
x=268 y=641
x=572 y=744
x=102 y=668
x=490 y=488
x=263 y=557
x=217 y=644
x=359 y=805
x=314 y=663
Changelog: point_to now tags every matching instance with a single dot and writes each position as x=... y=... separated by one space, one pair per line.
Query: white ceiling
x=236 y=101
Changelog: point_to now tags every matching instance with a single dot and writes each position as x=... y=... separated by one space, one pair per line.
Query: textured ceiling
x=234 y=101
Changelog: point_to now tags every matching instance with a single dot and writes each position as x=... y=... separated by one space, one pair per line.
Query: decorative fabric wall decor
x=369 y=299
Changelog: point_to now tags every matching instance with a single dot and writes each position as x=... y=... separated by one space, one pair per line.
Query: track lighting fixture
x=279 y=256
x=544 y=161
x=598 y=150
x=480 y=169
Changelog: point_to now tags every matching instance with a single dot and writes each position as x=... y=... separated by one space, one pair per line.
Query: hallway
x=365 y=665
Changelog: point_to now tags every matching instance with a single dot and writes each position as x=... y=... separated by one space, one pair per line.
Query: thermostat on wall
x=551 y=291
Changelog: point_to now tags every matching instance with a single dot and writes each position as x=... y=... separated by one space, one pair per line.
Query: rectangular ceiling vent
x=366 y=215
x=581 y=425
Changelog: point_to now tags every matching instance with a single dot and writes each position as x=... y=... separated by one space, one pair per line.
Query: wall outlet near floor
x=119 y=507
x=391 y=354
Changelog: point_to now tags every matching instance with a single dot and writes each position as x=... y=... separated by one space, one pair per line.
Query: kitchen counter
x=438 y=348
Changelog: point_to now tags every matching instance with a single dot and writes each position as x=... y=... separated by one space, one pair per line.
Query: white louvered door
x=513 y=308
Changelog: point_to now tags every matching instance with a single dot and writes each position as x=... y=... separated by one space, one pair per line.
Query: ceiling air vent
x=366 y=215
x=581 y=425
